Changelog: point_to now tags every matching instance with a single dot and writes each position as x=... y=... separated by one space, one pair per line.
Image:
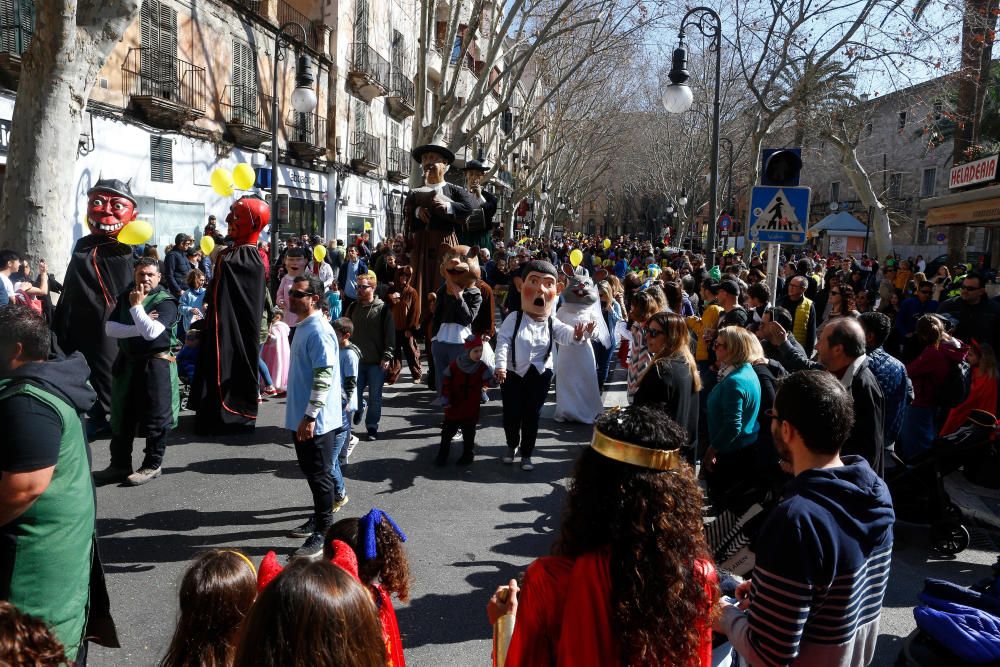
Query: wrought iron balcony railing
x=155 y=74
x=306 y=128
x=367 y=60
x=366 y=148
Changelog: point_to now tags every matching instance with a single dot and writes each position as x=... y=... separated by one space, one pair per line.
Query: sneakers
x=111 y=474
x=526 y=464
x=269 y=390
x=372 y=436
x=508 y=457
x=337 y=504
x=352 y=442
x=143 y=475
x=305 y=530
x=312 y=548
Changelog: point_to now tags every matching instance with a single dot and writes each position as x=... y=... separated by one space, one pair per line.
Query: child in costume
x=382 y=567
x=524 y=356
x=461 y=388
x=276 y=351
x=334 y=301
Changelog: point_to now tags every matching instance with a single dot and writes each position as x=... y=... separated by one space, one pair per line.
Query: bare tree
x=72 y=41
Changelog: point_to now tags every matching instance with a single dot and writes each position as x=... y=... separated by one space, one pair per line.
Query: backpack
x=24 y=299
x=956 y=385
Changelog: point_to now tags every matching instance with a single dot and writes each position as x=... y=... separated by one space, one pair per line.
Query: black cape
x=99 y=270
x=226 y=385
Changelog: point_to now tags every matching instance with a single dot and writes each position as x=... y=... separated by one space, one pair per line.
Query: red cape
x=390 y=628
x=564 y=615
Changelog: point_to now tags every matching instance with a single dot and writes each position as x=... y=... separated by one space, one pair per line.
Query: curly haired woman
x=631 y=543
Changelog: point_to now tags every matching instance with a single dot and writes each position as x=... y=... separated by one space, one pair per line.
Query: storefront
x=307 y=195
x=978 y=211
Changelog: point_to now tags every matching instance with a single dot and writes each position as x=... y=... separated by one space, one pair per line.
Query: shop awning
x=978 y=206
x=840 y=224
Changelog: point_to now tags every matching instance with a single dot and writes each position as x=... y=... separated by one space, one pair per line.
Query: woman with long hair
x=313 y=614
x=841 y=303
x=612 y=314
x=216 y=594
x=983 y=392
x=671 y=380
x=644 y=306
x=733 y=406
x=618 y=590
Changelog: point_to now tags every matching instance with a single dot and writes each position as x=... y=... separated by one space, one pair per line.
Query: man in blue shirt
x=909 y=312
x=348 y=277
x=889 y=372
x=313 y=412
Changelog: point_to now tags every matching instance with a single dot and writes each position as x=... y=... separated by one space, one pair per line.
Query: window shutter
x=244 y=95
x=361 y=21
x=161 y=159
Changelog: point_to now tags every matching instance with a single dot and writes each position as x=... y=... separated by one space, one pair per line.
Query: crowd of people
x=802 y=387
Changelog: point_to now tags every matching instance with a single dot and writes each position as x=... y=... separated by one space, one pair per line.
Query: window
x=928 y=182
x=360 y=117
x=393 y=134
x=161 y=159
x=244 y=90
x=869 y=128
x=920 y=237
x=18 y=20
x=938 y=108
x=901 y=123
x=158 y=34
x=398 y=52
x=835 y=191
x=361 y=21
x=896 y=185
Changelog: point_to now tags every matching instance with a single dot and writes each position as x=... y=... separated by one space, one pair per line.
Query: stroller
x=918 y=491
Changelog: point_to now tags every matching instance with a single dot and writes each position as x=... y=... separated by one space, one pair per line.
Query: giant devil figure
x=99 y=270
x=225 y=390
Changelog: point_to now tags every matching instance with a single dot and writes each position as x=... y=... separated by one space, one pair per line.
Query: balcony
x=247 y=114
x=367 y=73
x=306 y=135
x=165 y=90
x=365 y=153
x=402 y=97
x=399 y=165
x=288 y=13
x=15 y=35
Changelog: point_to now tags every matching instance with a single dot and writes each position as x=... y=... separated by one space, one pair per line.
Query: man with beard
x=226 y=386
x=144 y=380
x=98 y=272
x=823 y=554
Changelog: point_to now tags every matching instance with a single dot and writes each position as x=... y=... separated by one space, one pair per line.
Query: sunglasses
x=834 y=293
x=364 y=287
x=299 y=294
x=653 y=333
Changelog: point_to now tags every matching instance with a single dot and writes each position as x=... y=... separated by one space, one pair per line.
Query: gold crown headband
x=245 y=560
x=644 y=457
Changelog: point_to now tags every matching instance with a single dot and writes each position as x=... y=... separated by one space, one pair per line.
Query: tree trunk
x=753 y=177
x=71 y=43
x=861 y=181
x=978 y=25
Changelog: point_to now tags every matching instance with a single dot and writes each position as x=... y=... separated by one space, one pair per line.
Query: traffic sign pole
x=773 y=254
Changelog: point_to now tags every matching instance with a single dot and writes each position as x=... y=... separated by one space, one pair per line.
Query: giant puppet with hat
x=477 y=230
x=225 y=390
x=99 y=270
x=431 y=215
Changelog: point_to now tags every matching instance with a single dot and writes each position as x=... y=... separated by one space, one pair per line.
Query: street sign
x=941 y=238
x=725 y=222
x=779 y=214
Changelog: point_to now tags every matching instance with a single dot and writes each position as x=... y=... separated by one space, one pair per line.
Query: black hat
x=419 y=151
x=475 y=165
x=114 y=186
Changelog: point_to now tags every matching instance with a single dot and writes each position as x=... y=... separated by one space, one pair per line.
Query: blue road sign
x=779 y=214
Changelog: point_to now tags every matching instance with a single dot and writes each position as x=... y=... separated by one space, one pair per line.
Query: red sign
x=979 y=171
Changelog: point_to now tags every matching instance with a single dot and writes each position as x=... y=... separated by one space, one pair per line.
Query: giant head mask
x=539 y=287
x=460 y=265
x=247 y=218
x=110 y=206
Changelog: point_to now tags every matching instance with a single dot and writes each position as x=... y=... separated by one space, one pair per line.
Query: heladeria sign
x=971 y=173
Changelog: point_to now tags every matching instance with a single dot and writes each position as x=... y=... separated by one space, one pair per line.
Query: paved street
x=469 y=530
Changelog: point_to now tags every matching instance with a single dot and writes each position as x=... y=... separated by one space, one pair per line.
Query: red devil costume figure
x=225 y=390
x=99 y=270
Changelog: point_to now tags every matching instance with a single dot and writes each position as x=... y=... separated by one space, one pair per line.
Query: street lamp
x=677 y=98
x=303 y=101
x=545 y=192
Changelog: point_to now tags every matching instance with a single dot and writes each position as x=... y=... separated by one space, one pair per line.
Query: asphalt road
x=469 y=530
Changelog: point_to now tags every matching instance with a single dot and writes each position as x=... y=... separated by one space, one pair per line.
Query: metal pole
x=773 y=253
x=274 y=166
x=713 y=187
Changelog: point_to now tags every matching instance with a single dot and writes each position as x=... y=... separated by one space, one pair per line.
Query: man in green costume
x=49 y=565
x=144 y=395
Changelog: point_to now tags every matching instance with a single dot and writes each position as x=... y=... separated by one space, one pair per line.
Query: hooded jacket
x=822 y=567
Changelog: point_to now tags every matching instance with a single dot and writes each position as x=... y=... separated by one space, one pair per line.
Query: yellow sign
x=970 y=213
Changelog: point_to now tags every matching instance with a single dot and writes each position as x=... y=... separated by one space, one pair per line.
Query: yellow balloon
x=222 y=182
x=575 y=257
x=607 y=243
x=319 y=253
x=136 y=232
x=207 y=245
x=368 y=226
x=244 y=176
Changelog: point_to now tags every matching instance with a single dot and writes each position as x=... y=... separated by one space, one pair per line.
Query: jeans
x=605 y=358
x=373 y=377
x=265 y=374
x=341 y=436
x=523 y=398
x=314 y=460
x=444 y=354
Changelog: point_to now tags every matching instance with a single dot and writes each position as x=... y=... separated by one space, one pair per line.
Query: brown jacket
x=485 y=322
x=405 y=309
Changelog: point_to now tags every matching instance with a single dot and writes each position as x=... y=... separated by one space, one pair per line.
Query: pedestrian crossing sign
x=779 y=214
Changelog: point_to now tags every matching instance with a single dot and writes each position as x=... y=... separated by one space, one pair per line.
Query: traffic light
x=780 y=166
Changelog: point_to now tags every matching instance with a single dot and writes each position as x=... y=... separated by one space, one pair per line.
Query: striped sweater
x=822 y=568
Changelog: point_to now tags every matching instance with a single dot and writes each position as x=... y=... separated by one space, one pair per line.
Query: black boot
x=466 y=457
x=443 y=449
